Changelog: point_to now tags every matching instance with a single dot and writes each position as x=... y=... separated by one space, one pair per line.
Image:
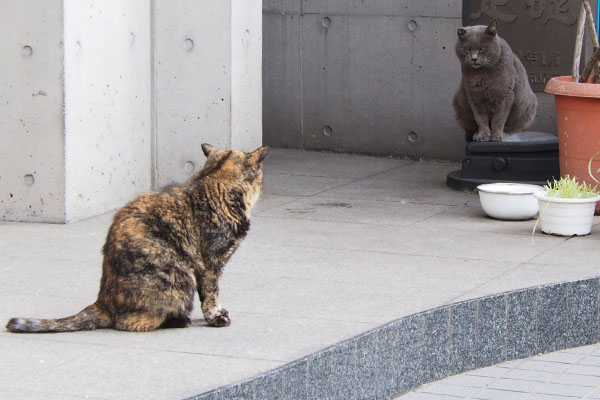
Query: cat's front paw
x=219 y=320
x=482 y=136
x=497 y=136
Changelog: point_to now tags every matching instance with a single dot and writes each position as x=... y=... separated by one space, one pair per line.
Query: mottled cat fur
x=494 y=96
x=163 y=246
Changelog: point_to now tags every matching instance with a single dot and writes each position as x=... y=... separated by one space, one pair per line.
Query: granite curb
x=434 y=344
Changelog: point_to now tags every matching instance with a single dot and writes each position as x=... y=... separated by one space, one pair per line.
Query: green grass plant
x=569 y=188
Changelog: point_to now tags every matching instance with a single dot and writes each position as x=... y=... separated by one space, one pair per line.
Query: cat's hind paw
x=220 y=320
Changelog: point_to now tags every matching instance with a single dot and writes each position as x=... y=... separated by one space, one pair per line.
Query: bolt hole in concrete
x=28 y=179
x=326 y=22
x=327 y=130
x=412 y=25
x=412 y=136
x=26 y=51
x=188 y=45
x=189 y=167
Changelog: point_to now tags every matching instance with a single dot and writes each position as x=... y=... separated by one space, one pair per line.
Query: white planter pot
x=566 y=217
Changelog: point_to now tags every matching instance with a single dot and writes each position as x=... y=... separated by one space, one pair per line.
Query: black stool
x=525 y=157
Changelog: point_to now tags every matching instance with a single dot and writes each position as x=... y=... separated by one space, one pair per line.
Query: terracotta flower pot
x=578 y=119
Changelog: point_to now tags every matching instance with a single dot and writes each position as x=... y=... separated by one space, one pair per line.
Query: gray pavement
x=562 y=375
x=339 y=244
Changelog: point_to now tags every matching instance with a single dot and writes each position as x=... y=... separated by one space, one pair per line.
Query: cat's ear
x=492 y=28
x=207 y=149
x=461 y=32
x=259 y=154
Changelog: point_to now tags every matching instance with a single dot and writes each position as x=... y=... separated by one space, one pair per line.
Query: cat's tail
x=91 y=317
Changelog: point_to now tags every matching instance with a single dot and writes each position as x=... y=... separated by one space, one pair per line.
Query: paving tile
x=583 y=350
x=428 y=396
x=347 y=302
x=268 y=202
x=334 y=165
x=590 y=360
x=472 y=218
x=382 y=271
x=491 y=372
x=450 y=389
x=320 y=208
x=515 y=385
x=579 y=251
x=467 y=379
x=393 y=239
x=528 y=275
x=577 y=380
x=564 y=390
x=538 y=396
x=530 y=375
x=294 y=185
x=497 y=394
x=547 y=366
x=595 y=394
x=381 y=188
x=58 y=366
x=579 y=369
x=561 y=357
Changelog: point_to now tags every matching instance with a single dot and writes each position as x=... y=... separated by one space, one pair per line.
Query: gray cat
x=494 y=96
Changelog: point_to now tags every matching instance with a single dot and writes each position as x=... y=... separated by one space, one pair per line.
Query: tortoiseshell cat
x=163 y=246
x=494 y=96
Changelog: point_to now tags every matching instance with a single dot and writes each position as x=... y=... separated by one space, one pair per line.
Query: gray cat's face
x=477 y=46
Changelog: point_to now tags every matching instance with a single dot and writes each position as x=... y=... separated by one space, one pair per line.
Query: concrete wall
x=370 y=77
x=367 y=77
x=107 y=104
x=31 y=112
x=104 y=99
x=207 y=81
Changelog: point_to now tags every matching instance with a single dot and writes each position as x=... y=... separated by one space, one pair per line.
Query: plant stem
x=594 y=33
x=590 y=22
x=578 y=42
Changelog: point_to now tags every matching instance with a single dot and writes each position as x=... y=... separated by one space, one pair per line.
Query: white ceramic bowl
x=509 y=201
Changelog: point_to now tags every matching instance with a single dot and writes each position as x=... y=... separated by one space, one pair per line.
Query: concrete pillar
x=94 y=111
x=107 y=83
x=31 y=112
x=76 y=115
x=207 y=81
